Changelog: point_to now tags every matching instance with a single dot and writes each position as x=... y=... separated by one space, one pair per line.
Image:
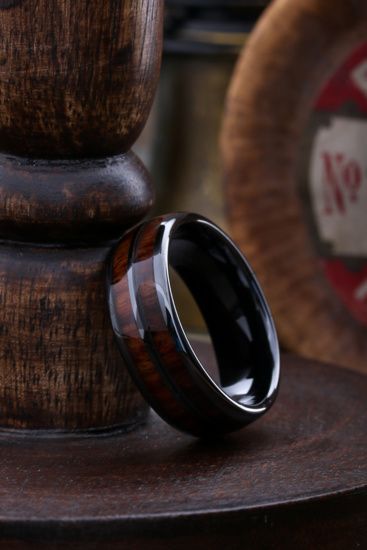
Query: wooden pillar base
x=60 y=366
x=77 y=80
x=295 y=479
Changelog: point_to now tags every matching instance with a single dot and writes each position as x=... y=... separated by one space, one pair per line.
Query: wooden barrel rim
x=290 y=54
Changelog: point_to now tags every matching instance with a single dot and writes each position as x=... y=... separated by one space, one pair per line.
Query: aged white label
x=338 y=185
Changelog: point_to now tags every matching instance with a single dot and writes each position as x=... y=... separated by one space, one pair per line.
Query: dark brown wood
x=127 y=331
x=83 y=201
x=77 y=80
x=60 y=366
x=295 y=479
x=294 y=48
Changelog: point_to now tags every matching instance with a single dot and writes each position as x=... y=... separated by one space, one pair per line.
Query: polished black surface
x=233 y=307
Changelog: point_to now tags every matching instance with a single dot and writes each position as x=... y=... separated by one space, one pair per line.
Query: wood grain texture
x=148 y=376
x=159 y=369
x=60 y=366
x=83 y=201
x=76 y=81
x=77 y=78
x=295 y=479
x=294 y=48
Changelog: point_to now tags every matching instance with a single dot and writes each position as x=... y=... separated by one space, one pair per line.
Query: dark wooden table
x=295 y=479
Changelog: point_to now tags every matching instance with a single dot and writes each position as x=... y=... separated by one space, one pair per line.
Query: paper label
x=335 y=184
x=338 y=185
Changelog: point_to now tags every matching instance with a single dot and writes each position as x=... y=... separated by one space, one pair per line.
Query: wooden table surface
x=297 y=478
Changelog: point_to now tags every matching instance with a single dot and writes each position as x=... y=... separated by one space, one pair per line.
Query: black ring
x=154 y=343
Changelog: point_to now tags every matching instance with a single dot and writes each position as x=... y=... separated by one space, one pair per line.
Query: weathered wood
x=294 y=48
x=60 y=366
x=77 y=80
x=297 y=478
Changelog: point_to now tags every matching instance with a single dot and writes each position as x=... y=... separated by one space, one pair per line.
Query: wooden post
x=77 y=81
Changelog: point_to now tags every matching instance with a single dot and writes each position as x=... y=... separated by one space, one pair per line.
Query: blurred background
x=180 y=143
x=180 y=146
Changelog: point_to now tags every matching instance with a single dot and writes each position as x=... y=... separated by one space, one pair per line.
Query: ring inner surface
x=233 y=308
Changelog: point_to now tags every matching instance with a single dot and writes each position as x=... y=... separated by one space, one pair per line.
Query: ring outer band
x=153 y=343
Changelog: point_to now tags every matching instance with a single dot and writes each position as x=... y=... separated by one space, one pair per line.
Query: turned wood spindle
x=77 y=81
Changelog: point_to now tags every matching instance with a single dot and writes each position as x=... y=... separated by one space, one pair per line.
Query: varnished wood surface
x=60 y=365
x=296 y=478
x=135 y=254
x=168 y=392
x=293 y=49
x=87 y=201
x=77 y=78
